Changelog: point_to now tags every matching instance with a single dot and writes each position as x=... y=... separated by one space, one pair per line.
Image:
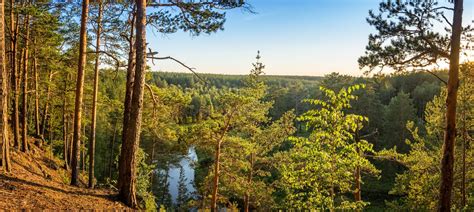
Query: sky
x=295 y=37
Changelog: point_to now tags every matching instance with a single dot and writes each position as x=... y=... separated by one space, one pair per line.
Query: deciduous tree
x=319 y=169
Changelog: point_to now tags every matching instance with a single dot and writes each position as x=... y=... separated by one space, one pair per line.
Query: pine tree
x=419 y=183
x=6 y=162
x=421 y=46
x=397 y=114
x=76 y=142
x=127 y=170
x=183 y=197
x=94 y=100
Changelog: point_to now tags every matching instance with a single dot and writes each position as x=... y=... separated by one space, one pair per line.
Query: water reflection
x=173 y=183
x=184 y=168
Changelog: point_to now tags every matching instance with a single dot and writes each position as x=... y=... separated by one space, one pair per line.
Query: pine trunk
x=112 y=147
x=128 y=90
x=70 y=144
x=46 y=104
x=66 y=153
x=447 y=162
x=24 y=111
x=83 y=156
x=216 y=177
x=13 y=45
x=36 y=80
x=65 y=143
x=94 y=100
x=6 y=164
x=128 y=157
x=249 y=182
x=79 y=93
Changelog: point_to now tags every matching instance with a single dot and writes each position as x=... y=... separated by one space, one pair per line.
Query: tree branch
x=442 y=7
x=153 y=98
x=416 y=57
x=376 y=131
x=118 y=62
x=446 y=19
x=432 y=73
x=151 y=56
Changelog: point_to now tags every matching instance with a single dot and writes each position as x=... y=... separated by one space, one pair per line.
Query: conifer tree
x=6 y=162
x=76 y=142
x=407 y=38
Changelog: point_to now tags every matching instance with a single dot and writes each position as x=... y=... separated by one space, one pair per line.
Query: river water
x=187 y=163
x=171 y=174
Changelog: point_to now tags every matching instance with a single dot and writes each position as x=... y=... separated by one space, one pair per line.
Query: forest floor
x=39 y=181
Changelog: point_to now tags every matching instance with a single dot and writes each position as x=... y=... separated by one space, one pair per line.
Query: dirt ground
x=38 y=181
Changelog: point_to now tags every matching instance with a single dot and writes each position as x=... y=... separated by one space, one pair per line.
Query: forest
x=82 y=105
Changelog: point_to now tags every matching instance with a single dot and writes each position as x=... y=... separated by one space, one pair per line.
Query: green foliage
x=318 y=173
x=407 y=35
x=236 y=115
x=419 y=183
x=147 y=200
x=192 y=17
x=253 y=115
x=397 y=114
x=160 y=188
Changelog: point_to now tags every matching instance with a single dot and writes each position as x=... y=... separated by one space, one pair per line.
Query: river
x=179 y=170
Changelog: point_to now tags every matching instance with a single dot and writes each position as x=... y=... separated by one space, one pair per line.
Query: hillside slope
x=38 y=181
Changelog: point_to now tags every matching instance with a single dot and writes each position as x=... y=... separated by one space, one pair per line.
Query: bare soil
x=39 y=181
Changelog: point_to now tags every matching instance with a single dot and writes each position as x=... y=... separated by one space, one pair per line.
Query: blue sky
x=295 y=37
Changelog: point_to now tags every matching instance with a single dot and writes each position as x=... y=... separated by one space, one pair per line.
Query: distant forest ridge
x=188 y=80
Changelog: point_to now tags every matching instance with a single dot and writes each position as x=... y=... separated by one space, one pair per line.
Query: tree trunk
x=128 y=91
x=94 y=100
x=83 y=155
x=249 y=182
x=464 y=132
x=67 y=155
x=70 y=144
x=24 y=112
x=217 y=163
x=131 y=142
x=447 y=161
x=79 y=93
x=46 y=104
x=35 y=73
x=216 y=177
x=112 y=147
x=357 y=192
x=83 y=147
x=19 y=78
x=6 y=164
x=464 y=146
x=65 y=126
x=13 y=45
x=152 y=178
